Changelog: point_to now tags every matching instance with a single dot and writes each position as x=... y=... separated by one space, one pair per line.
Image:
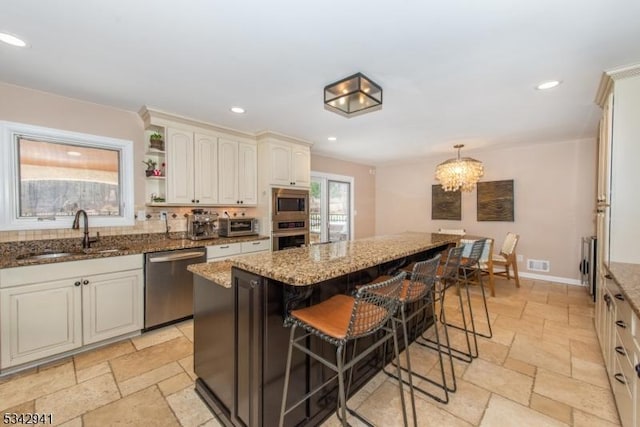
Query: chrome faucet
x=86 y=240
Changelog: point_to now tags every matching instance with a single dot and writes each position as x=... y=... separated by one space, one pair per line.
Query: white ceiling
x=452 y=71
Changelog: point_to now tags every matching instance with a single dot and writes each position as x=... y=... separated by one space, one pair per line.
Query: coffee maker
x=201 y=225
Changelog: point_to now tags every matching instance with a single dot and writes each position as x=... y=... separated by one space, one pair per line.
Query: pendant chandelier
x=459 y=173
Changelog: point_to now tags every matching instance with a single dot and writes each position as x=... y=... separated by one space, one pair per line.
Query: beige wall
x=33 y=107
x=364 y=183
x=554 y=188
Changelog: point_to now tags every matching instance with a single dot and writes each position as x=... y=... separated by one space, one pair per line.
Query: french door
x=331 y=208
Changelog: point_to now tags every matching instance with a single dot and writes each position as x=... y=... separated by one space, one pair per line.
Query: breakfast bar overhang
x=240 y=342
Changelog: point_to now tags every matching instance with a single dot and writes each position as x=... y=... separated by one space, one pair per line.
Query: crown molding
x=611 y=76
x=281 y=137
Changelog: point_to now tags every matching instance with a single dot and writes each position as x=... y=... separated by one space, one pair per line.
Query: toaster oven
x=231 y=227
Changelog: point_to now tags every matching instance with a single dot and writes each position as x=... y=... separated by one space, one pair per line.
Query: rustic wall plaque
x=445 y=204
x=495 y=201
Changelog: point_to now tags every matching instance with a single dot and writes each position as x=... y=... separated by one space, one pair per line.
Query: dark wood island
x=240 y=342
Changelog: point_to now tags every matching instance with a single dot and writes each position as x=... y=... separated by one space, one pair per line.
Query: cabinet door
x=247 y=173
x=301 y=166
x=38 y=321
x=206 y=169
x=179 y=168
x=280 y=164
x=227 y=171
x=112 y=305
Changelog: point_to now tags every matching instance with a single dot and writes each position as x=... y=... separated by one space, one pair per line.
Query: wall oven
x=290 y=204
x=289 y=239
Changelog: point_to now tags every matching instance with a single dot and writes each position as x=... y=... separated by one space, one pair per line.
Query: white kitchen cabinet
x=220 y=252
x=50 y=309
x=191 y=170
x=112 y=305
x=237 y=166
x=286 y=164
x=38 y=321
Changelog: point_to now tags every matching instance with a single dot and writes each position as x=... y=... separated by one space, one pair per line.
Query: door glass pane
x=339 y=202
x=315 y=204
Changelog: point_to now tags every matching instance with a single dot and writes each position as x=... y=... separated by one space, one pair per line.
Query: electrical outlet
x=163 y=215
x=519 y=258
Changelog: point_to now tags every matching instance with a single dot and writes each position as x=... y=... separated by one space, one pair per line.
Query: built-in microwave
x=289 y=204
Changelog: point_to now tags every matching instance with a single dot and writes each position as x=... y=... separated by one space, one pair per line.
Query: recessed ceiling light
x=548 y=85
x=12 y=40
x=237 y=110
x=74 y=153
x=332 y=138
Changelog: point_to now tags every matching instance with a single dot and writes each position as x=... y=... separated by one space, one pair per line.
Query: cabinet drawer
x=625 y=355
x=255 y=246
x=624 y=399
x=223 y=250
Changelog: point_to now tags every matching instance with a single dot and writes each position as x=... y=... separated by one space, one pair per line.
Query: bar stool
x=471 y=266
x=337 y=321
x=420 y=289
x=448 y=276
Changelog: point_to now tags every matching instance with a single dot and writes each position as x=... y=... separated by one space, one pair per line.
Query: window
x=330 y=208
x=49 y=174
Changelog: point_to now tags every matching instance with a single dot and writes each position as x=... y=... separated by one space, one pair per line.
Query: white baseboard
x=564 y=280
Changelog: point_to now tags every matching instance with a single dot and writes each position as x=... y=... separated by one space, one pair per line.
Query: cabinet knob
x=620 y=350
x=638 y=370
x=77 y=283
x=253 y=283
x=193 y=200
x=619 y=297
x=621 y=324
x=620 y=378
x=85 y=282
x=197 y=201
x=241 y=202
x=608 y=276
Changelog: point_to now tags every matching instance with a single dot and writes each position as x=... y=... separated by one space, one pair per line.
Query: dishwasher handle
x=176 y=257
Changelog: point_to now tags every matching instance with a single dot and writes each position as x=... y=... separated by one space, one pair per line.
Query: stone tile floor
x=543 y=367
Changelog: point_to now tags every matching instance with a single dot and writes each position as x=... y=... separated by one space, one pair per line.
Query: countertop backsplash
x=152 y=223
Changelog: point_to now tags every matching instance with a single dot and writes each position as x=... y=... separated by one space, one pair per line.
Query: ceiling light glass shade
x=353 y=96
x=459 y=173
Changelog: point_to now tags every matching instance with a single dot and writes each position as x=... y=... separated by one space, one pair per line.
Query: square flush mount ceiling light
x=353 y=96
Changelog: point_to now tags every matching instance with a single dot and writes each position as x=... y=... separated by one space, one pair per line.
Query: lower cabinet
x=80 y=303
x=618 y=330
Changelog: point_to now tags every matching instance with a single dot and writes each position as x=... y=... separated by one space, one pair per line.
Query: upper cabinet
x=284 y=163
x=191 y=171
x=204 y=164
x=618 y=173
x=237 y=166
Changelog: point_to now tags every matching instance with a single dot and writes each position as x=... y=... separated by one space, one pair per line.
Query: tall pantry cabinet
x=618 y=237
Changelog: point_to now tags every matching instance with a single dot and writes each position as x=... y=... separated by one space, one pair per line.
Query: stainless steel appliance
x=290 y=218
x=289 y=204
x=588 y=264
x=230 y=227
x=168 y=288
x=201 y=225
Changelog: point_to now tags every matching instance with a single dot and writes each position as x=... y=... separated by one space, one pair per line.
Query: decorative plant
x=155 y=136
x=151 y=164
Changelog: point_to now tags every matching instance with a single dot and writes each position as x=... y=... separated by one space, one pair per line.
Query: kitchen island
x=240 y=342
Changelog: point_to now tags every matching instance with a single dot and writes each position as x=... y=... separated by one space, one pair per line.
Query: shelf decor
x=445 y=204
x=352 y=96
x=495 y=201
x=156 y=141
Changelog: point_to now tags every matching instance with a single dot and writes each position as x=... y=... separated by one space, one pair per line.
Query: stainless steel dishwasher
x=168 y=287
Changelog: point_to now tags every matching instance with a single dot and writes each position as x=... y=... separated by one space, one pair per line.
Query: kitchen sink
x=47 y=255
x=107 y=251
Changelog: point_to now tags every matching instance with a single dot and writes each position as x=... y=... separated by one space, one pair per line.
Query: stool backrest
x=374 y=305
x=423 y=277
x=477 y=249
x=452 y=265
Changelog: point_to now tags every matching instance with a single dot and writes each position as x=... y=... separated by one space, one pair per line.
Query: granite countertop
x=218 y=272
x=627 y=276
x=317 y=263
x=108 y=246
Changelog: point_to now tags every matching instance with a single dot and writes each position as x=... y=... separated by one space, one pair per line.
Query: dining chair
x=506 y=259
